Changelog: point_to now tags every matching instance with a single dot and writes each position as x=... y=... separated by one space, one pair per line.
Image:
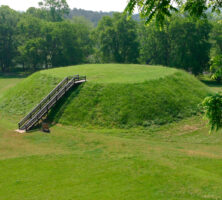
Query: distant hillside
x=93 y=16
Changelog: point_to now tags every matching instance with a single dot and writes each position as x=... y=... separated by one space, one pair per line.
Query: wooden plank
x=43 y=107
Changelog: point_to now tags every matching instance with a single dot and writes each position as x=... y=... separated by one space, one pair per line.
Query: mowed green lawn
x=8 y=82
x=176 y=161
x=113 y=73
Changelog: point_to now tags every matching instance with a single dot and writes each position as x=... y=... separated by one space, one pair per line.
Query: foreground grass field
x=175 y=161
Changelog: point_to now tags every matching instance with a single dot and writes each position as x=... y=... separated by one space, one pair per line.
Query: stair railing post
x=36 y=114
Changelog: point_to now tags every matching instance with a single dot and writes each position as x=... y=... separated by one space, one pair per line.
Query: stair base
x=20 y=131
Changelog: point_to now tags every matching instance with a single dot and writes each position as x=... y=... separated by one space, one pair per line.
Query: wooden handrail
x=65 y=80
x=50 y=100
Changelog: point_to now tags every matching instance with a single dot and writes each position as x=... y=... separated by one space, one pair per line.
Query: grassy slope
x=176 y=161
x=115 y=95
x=20 y=99
x=8 y=82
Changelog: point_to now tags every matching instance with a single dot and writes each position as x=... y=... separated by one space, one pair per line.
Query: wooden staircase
x=49 y=101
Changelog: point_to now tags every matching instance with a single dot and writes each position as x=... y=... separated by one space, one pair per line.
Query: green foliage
x=67 y=44
x=213 y=111
x=154 y=45
x=52 y=44
x=117 y=39
x=43 y=38
x=38 y=13
x=216 y=37
x=183 y=43
x=189 y=44
x=160 y=10
x=8 y=44
x=83 y=30
x=216 y=68
x=31 y=52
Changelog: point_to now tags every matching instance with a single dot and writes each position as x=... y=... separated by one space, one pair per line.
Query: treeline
x=46 y=38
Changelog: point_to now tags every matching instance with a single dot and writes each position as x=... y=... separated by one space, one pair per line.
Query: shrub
x=213 y=110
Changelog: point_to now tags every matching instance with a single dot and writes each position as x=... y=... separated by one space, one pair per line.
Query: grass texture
x=115 y=95
x=179 y=160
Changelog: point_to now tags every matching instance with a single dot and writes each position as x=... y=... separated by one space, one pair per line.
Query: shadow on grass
x=14 y=75
x=211 y=83
x=57 y=110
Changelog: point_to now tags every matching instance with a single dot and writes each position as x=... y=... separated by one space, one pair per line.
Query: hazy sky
x=96 y=5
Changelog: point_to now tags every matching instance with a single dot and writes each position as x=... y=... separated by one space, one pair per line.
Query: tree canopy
x=117 y=39
x=57 y=8
x=161 y=9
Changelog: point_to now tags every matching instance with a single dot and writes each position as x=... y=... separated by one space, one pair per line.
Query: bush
x=216 y=68
x=213 y=110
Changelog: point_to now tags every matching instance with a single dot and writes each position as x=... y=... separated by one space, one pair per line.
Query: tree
x=31 y=52
x=182 y=43
x=213 y=111
x=38 y=13
x=216 y=68
x=154 y=45
x=67 y=44
x=216 y=38
x=83 y=29
x=30 y=41
x=117 y=39
x=216 y=51
x=161 y=9
x=57 y=8
x=189 y=44
x=8 y=43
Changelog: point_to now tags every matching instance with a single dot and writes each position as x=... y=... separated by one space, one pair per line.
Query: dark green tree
x=8 y=43
x=117 y=39
x=216 y=51
x=83 y=29
x=212 y=106
x=154 y=45
x=30 y=42
x=67 y=44
x=216 y=68
x=216 y=38
x=38 y=13
x=31 y=53
x=182 y=43
x=189 y=44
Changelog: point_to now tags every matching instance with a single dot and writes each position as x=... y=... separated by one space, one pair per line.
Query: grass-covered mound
x=115 y=95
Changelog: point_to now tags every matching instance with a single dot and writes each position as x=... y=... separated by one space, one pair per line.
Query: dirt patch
x=200 y=153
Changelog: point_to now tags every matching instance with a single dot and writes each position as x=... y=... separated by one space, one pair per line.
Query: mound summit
x=115 y=95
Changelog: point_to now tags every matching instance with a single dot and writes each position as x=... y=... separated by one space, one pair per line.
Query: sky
x=95 y=5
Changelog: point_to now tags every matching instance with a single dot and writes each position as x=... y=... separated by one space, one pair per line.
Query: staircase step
x=49 y=101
